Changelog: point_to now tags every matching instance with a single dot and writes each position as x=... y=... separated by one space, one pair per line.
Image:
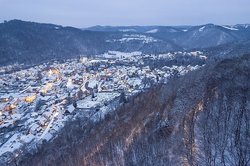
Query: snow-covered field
x=134 y=37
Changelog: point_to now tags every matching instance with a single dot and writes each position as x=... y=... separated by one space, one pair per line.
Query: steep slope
x=228 y=50
x=199 y=119
x=210 y=35
x=188 y=37
x=29 y=42
x=33 y=42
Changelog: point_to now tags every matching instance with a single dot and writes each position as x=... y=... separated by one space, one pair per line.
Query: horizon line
x=107 y=25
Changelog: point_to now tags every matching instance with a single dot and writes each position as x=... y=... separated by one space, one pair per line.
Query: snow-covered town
x=36 y=102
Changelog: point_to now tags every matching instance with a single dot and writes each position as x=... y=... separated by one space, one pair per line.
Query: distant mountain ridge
x=188 y=37
x=29 y=42
x=34 y=42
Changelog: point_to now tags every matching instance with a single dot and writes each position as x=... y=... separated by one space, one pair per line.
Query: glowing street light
x=30 y=99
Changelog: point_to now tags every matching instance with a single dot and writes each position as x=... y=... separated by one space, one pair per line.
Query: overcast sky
x=84 y=13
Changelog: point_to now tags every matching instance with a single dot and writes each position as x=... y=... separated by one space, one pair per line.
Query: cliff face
x=202 y=118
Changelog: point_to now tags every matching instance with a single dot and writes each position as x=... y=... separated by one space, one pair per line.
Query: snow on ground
x=135 y=82
x=99 y=100
x=173 y=30
x=71 y=108
x=202 y=28
x=11 y=145
x=127 y=30
x=152 y=31
x=117 y=54
x=134 y=37
x=30 y=123
x=230 y=28
x=92 y=83
x=167 y=56
x=46 y=133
